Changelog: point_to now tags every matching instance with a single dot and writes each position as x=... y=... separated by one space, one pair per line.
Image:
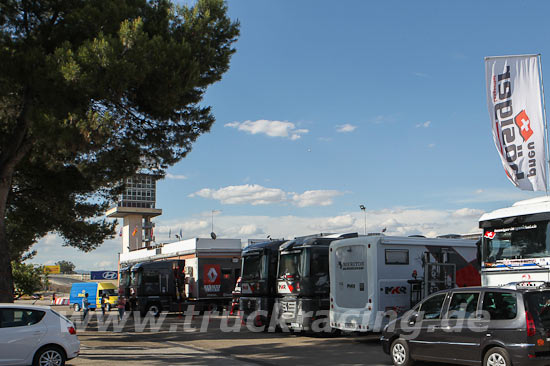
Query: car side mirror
x=413 y=318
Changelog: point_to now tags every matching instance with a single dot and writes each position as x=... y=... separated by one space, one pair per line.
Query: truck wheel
x=399 y=352
x=76 y=307
x=496 y=357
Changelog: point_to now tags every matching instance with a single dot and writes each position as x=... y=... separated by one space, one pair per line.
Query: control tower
x=136 y=206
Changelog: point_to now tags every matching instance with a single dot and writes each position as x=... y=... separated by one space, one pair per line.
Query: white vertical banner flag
x=515 y=107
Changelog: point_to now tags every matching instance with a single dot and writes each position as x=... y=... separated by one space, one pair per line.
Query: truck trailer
x=374 y=276
x=199 y=272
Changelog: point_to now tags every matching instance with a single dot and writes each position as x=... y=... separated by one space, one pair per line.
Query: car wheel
x=497 y=357
x=76 y=307
x=49 y=356
x=399 y=352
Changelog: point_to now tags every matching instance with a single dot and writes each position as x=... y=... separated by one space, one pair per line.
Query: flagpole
x=545 y=122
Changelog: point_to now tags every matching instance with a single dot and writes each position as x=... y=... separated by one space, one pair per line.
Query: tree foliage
x=66 y=267
x=28 y=279
x=92 y=91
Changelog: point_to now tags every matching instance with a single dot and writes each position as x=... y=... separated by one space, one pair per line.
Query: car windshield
x=290 y=264
x=254 y=267
x=531 y=241
x=539 y=306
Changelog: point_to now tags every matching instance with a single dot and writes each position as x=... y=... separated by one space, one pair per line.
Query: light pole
x=364 y=209
x=213 y=211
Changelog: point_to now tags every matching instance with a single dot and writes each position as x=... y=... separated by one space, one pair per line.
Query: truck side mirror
x=478 y=253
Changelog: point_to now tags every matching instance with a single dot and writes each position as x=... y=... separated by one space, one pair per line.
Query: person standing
x=121 y=306
x=103 y=304
x=85 y=307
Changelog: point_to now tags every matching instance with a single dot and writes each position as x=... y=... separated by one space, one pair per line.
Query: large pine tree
x=92 y=91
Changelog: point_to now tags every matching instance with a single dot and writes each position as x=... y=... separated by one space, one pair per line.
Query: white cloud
x=345 y=128
x=315 y=198
x=431 y=145
x=397 y=221
x=252 y=194
x=468 y=212
x=424 y=124
x=505 y=196
x=248 y=231
x=174 y=226
x=380 y=119
x=282 y=129
x=50 y=250
x=107 y=264
x=175 y=176
x=340 y=222
x=255 y=194
x=421 y=75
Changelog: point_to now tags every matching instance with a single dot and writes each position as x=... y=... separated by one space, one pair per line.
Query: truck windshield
x=530 y=241
x=125 y=278
x=291 y=264
x=254 y=267
x=135 y=278
x=108 y=292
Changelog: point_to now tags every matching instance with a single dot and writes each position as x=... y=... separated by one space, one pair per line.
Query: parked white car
x=36 y=335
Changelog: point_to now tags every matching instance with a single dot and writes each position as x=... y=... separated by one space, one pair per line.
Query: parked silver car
x=36 y=335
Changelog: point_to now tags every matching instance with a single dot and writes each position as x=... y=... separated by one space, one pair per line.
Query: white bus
x=370 y=275
x=516 y=243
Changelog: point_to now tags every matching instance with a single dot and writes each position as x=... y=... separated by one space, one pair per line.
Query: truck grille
x=288 y=307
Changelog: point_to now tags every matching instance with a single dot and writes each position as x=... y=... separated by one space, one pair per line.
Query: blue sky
x=329 y=105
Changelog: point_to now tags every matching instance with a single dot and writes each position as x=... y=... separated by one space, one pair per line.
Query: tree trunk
x=9 y=158
x=6 y=278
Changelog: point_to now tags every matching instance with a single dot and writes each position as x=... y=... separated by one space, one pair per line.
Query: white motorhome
x=516 y=243
x=370 y=275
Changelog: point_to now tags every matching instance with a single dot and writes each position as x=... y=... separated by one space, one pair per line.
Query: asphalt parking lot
x=223 y=340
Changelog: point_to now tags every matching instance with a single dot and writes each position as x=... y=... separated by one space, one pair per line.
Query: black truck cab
x=303 y=282
x=259 y=281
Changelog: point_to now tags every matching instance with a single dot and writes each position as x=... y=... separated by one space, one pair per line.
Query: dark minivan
x=488 y=326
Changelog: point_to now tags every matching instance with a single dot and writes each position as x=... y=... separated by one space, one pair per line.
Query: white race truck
x=516 y=243
x=373 y=275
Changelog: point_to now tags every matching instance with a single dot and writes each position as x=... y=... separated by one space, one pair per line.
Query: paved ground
x=179 y=341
